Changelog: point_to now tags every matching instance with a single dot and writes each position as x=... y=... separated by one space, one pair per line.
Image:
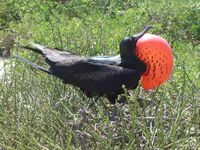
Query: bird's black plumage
x=101 y=76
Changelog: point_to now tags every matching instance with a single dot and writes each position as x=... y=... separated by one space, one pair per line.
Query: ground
x=168 y=118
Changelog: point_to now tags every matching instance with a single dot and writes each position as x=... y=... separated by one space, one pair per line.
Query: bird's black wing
x=95 y=77
x=90 y=76
x=58 y=55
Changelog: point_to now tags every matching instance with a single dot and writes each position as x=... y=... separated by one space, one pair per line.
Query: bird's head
x=154 y=52
x=128 y=44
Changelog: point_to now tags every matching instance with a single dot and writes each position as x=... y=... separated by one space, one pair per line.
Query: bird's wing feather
x=89 y=75
x=109 y=60
x=96 y=77
x=53 y=55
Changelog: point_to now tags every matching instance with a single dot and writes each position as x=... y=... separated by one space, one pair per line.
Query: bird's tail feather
x=37 y=48
x=32 y=64
x=32 y=49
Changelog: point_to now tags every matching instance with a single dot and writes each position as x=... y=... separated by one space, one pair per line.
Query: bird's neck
x=133 y=62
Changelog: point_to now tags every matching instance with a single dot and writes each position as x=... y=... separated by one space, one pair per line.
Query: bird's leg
x=115 y=114
x=116 y=111
x=123 y=100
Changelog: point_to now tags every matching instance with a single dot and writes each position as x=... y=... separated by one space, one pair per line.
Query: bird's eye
x=126 y=41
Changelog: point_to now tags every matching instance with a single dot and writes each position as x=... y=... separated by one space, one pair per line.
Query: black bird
x=98 y=75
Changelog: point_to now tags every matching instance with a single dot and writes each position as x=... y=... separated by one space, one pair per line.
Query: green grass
x=170 y=115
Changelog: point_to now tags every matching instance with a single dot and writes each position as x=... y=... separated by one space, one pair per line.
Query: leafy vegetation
x=169 y=117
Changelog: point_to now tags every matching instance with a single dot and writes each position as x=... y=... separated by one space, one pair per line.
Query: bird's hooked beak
x=145 y=30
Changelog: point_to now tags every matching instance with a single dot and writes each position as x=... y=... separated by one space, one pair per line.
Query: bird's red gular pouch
x=156 y=53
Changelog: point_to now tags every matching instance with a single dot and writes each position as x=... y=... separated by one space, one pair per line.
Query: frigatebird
x=97 y=75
